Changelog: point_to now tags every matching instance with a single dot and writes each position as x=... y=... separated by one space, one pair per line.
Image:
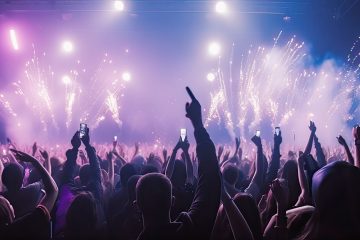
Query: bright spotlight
x=221 y=7
x=66 y=80
x=210 y=77
x=119 y=6
x=13 y=39
x=67 y=46
x=126 y=76
x=214 y=49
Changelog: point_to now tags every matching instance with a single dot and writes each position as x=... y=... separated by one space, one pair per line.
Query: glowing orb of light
x=210 y=77
x=67 y=46
x=214 y=49
x=66 y=80
x=126 y=76
x=221 y=7
x=119 y=6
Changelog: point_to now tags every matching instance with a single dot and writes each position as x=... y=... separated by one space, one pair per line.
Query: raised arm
x=47 y=163
x=320 y=156
x=304 y=197
x=171 y=163
x=95 y=182
x=68 y=173
x=206 y=201
x=258 y=177
x=274 y=164
x=189 y=167
x=109 y=158
x=239 y=227
x=49 y=184
x=343 y=143
x=312 y=128
x=356 y=134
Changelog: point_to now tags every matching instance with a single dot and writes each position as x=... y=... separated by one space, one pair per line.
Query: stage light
x=13 y=39
x=66 y=80
x=210 y=77
x=67 y=46
x=221 y=7
x=126 y=76
x=214 y=49
x=119 y=6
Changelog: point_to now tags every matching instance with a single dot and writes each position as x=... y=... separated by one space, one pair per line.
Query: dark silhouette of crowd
x=103 y=192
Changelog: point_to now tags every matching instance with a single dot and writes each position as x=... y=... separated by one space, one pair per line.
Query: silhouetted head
x=336 y=197
x=247 y=206
x=127 y=171
x=178 y=177
x=131 y=186
x=85 y=174
x=138 y=162
x=154 y=195
x=290 y=173
x=230 y=174
x=81 y=216
x=13 y=176
x=7 y=214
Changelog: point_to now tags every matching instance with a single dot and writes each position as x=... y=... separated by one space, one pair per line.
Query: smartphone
x=257 y=133
x=183 y=134
x=83 y=127
x=115 y=138
x=277 y=131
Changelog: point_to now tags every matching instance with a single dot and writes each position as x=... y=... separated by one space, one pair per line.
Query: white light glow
x=126 y=76
x=214 y=49
x=67 y=46
x=221 y=7
x=119 y=6
x=66 y=80
x=210 y=77
x=13 y=39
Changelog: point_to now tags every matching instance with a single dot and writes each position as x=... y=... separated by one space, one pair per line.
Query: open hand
x=312 y=127
x=193 y=110
x=280 y=190
x=44 y=154
x=341 y=140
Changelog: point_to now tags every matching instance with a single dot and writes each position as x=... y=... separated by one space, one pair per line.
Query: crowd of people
x=116 y=192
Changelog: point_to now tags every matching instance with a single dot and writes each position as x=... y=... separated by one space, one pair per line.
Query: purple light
x=13 y=39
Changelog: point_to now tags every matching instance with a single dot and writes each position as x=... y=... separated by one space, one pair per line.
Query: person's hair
x=153 y=195
x=85 y=174
x=178 y=178
x=13 y=176
x=7 y=215
x=230 y=174
x=149 y=169
x=81 y=216
x=247 y=206
x=126 y=172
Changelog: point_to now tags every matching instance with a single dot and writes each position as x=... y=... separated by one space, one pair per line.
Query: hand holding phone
x=277 y=131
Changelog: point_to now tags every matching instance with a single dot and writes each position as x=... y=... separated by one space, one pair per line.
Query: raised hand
x=34 y=148
x=193 y=110
x=312 y=127
x=278 y=138
x=75 y=141
x=44 y=154
x=86 y=138
x=256 y=140
x=237 y=144
x=164 y=153
x=356 y=132
x=341 y=140
x=24 y=157
x=226 y=156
